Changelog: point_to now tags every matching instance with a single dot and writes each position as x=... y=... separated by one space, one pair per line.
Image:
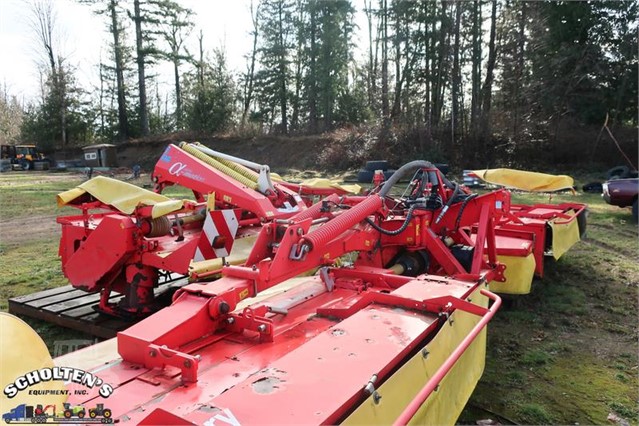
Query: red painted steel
x=418 y=257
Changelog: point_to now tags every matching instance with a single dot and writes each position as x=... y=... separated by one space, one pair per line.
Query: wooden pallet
x=72 y=308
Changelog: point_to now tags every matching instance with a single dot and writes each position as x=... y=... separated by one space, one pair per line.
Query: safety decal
x=218 y=233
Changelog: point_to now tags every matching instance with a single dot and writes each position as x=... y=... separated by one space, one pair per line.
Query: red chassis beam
x=179 y=167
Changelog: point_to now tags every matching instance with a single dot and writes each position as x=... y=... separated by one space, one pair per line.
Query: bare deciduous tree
x=42 y=21
x=250 y=75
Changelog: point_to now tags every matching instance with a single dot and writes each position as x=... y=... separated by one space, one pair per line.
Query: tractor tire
x=106 y=413
x=27 y=165
x=593 y=188
x=443 y=168
x=619 y=172
x=81 y=414
x=371 y=166
x=635 y=211
x=365 y=176
x=92 y=414
x=388 y=173
x=67 y=414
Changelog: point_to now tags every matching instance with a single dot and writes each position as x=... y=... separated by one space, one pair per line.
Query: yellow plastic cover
x=23 y=351
x=121 y=195
x=519 y=275
x=322 y=183
x=564 y=235
x=526 y=181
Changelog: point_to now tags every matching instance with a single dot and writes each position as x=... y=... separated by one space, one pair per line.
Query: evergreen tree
x=210 y=96
x=335 y=29
x=273 y=78
x=176 y=26
x=41 y=123
x=112 y=10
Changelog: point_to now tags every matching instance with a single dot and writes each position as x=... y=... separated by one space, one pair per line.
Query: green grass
x=534 y=414
x=29 y=268
x=536 y=358
x=32 y=194
x=623 y=410
x=516 y=378
x=571 y=342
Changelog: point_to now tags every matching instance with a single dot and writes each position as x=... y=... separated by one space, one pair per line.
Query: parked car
x=471 y=180
x=622 y=193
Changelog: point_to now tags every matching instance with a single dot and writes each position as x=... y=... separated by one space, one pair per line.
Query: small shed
x=102 y=155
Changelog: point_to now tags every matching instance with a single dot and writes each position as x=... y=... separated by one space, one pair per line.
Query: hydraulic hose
x=410 y=166
x=343 y=222
x=364 y=209
x=448 y=203
x=403 y=171
x=397 y=231
x=461 y=209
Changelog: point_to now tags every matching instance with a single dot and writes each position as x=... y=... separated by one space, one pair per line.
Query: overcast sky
x=84 y=39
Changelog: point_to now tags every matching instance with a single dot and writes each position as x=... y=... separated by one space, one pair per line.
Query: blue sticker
x=165 y=158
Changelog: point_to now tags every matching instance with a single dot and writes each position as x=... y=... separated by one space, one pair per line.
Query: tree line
x=449 y=78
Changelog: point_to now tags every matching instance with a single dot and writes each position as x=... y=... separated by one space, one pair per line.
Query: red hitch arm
x=434 y=381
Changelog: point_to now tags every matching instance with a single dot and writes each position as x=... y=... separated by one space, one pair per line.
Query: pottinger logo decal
x=67 y=374
x=177 y=168
x=180 y=169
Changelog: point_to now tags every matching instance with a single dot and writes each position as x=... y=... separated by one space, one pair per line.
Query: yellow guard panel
x=519 y=275
x=121 y=195
x=564 y=235
x=444 y=406
x=526 y=181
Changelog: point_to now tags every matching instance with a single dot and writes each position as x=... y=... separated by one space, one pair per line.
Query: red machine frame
x=426 y=252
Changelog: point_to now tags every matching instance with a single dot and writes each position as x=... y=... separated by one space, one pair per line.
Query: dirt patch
x=612 y=249
x=28 y=229
x=611 y=229
x=35 y=179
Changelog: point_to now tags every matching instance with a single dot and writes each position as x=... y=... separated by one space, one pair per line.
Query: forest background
x=479 y=83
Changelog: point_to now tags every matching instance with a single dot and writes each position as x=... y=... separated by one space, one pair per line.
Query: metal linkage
x=161 y=356
x=252 y=320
